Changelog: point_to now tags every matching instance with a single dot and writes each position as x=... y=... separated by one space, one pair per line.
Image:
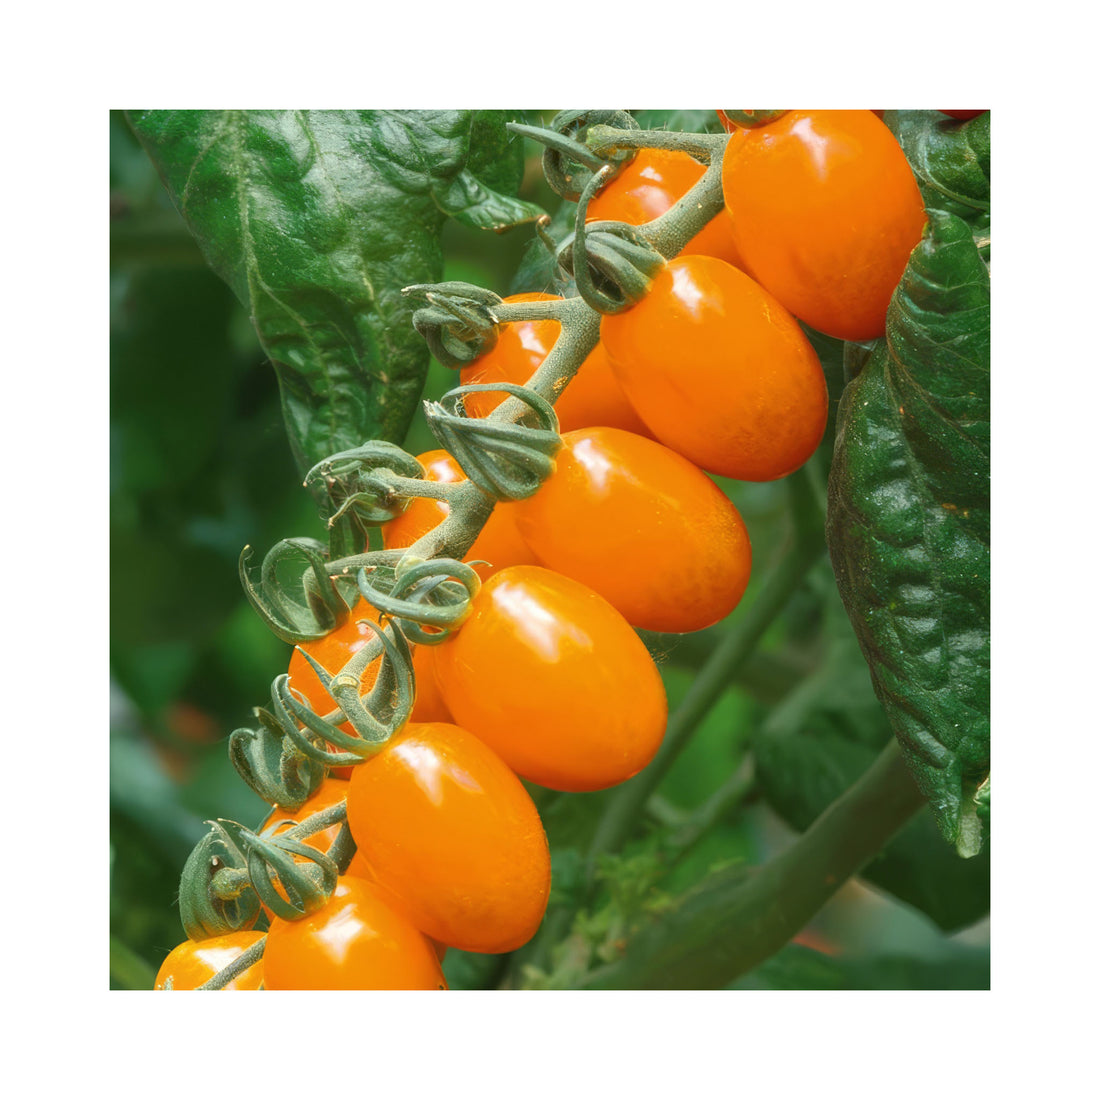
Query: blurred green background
x=200 y=467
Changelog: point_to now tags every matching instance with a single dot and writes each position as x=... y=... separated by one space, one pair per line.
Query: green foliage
x=908 y=522
x=318 y=220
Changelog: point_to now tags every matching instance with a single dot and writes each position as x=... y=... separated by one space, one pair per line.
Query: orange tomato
x=643 y=527
x=355 y=941
x=553 y=678
x=720 y=371
x=651 y=184
x=331 y=791
x=499 y=543
x=451 y=838
x=593 y=397
x=825 y=214
x=192 y=963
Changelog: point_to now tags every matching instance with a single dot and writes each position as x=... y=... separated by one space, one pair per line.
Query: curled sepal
x=205 y=910
x=506 y=461
x=567 y=163
x=321 y=740
x=271 y=863
x=272 y=765
x=429 y=599
x=356 y=486
x=611 y=262
x=457 y=320
x=746 y=120
x=321 y=609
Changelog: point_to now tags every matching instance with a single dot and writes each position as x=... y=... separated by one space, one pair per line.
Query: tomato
x=355 y=941
x=331 y=791
x=825 y=214
x=962 y=115
x=643 y=527
x=360 y=868
x=720 y=371
x=593 y=397
x=193 y=963
x=499 y=543
x=336 y=648
x=552 y=677
x=651 y=184
x=451 y=838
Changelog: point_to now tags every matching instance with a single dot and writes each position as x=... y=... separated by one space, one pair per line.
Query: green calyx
x=272 y=765
x=205 y=910
x=357 y=483
x=456 y=321
x=507 y=461
x=567 y=162
x=430 y=599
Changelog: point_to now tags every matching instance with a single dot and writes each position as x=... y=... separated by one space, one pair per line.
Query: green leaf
x=317 y=220
x=908 y=520
x=688 y=122
x=817 y=743
x=951 y=162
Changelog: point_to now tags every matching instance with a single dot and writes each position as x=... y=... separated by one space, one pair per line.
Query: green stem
x=714 y=677
x=734 y=920
x=237 y=967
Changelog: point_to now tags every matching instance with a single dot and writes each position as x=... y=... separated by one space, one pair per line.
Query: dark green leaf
x=317 y=220
x=817 y=744
x=951 y=162
x=688 y=122
x=908 y=522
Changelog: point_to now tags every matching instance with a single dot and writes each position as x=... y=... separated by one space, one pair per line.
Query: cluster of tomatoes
x=710 y=373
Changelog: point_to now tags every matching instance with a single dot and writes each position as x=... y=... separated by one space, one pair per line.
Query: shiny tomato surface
x=193 y=963
x=643 y=527
x=499 y=543
x=553 y=678
x=825 y=213
x=592 y=396
x=451 y=838
x=720 y=371
x=650 y=185
x=355 y=941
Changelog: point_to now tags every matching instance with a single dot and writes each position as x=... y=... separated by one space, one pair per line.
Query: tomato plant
x=451 y=838
x=642 y=527
x=550 y=676
x=720 y=371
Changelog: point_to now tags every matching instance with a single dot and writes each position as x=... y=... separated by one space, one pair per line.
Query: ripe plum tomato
x=553 y=678
x=643 y=527
x=592 y=396
x=192 y=963
x=499 y=542
x=360 y=868
x=336 y=648
x=355 y=941
x=452 y=839
x=825 y=214
x=651 y=184
x=720 y=371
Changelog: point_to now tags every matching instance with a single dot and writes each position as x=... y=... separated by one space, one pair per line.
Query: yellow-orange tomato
x=355 y=941
x=499 y=543
x=720 y=371
x=825 y=214
x=650 y=185
x=643 y=527
x=593 y=397
x=553 y=678
x=331 y=791
x=193 y=963
x=452 y=839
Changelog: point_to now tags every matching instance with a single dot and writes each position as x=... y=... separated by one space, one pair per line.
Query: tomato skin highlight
x=650 y=185
x=192 y=963
x=593 y=396
x=355 y=941
x=499 y=544
x=553 y=679
x=451 y=838
x=641 y=526
x=826 y=211
x=720 y=371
